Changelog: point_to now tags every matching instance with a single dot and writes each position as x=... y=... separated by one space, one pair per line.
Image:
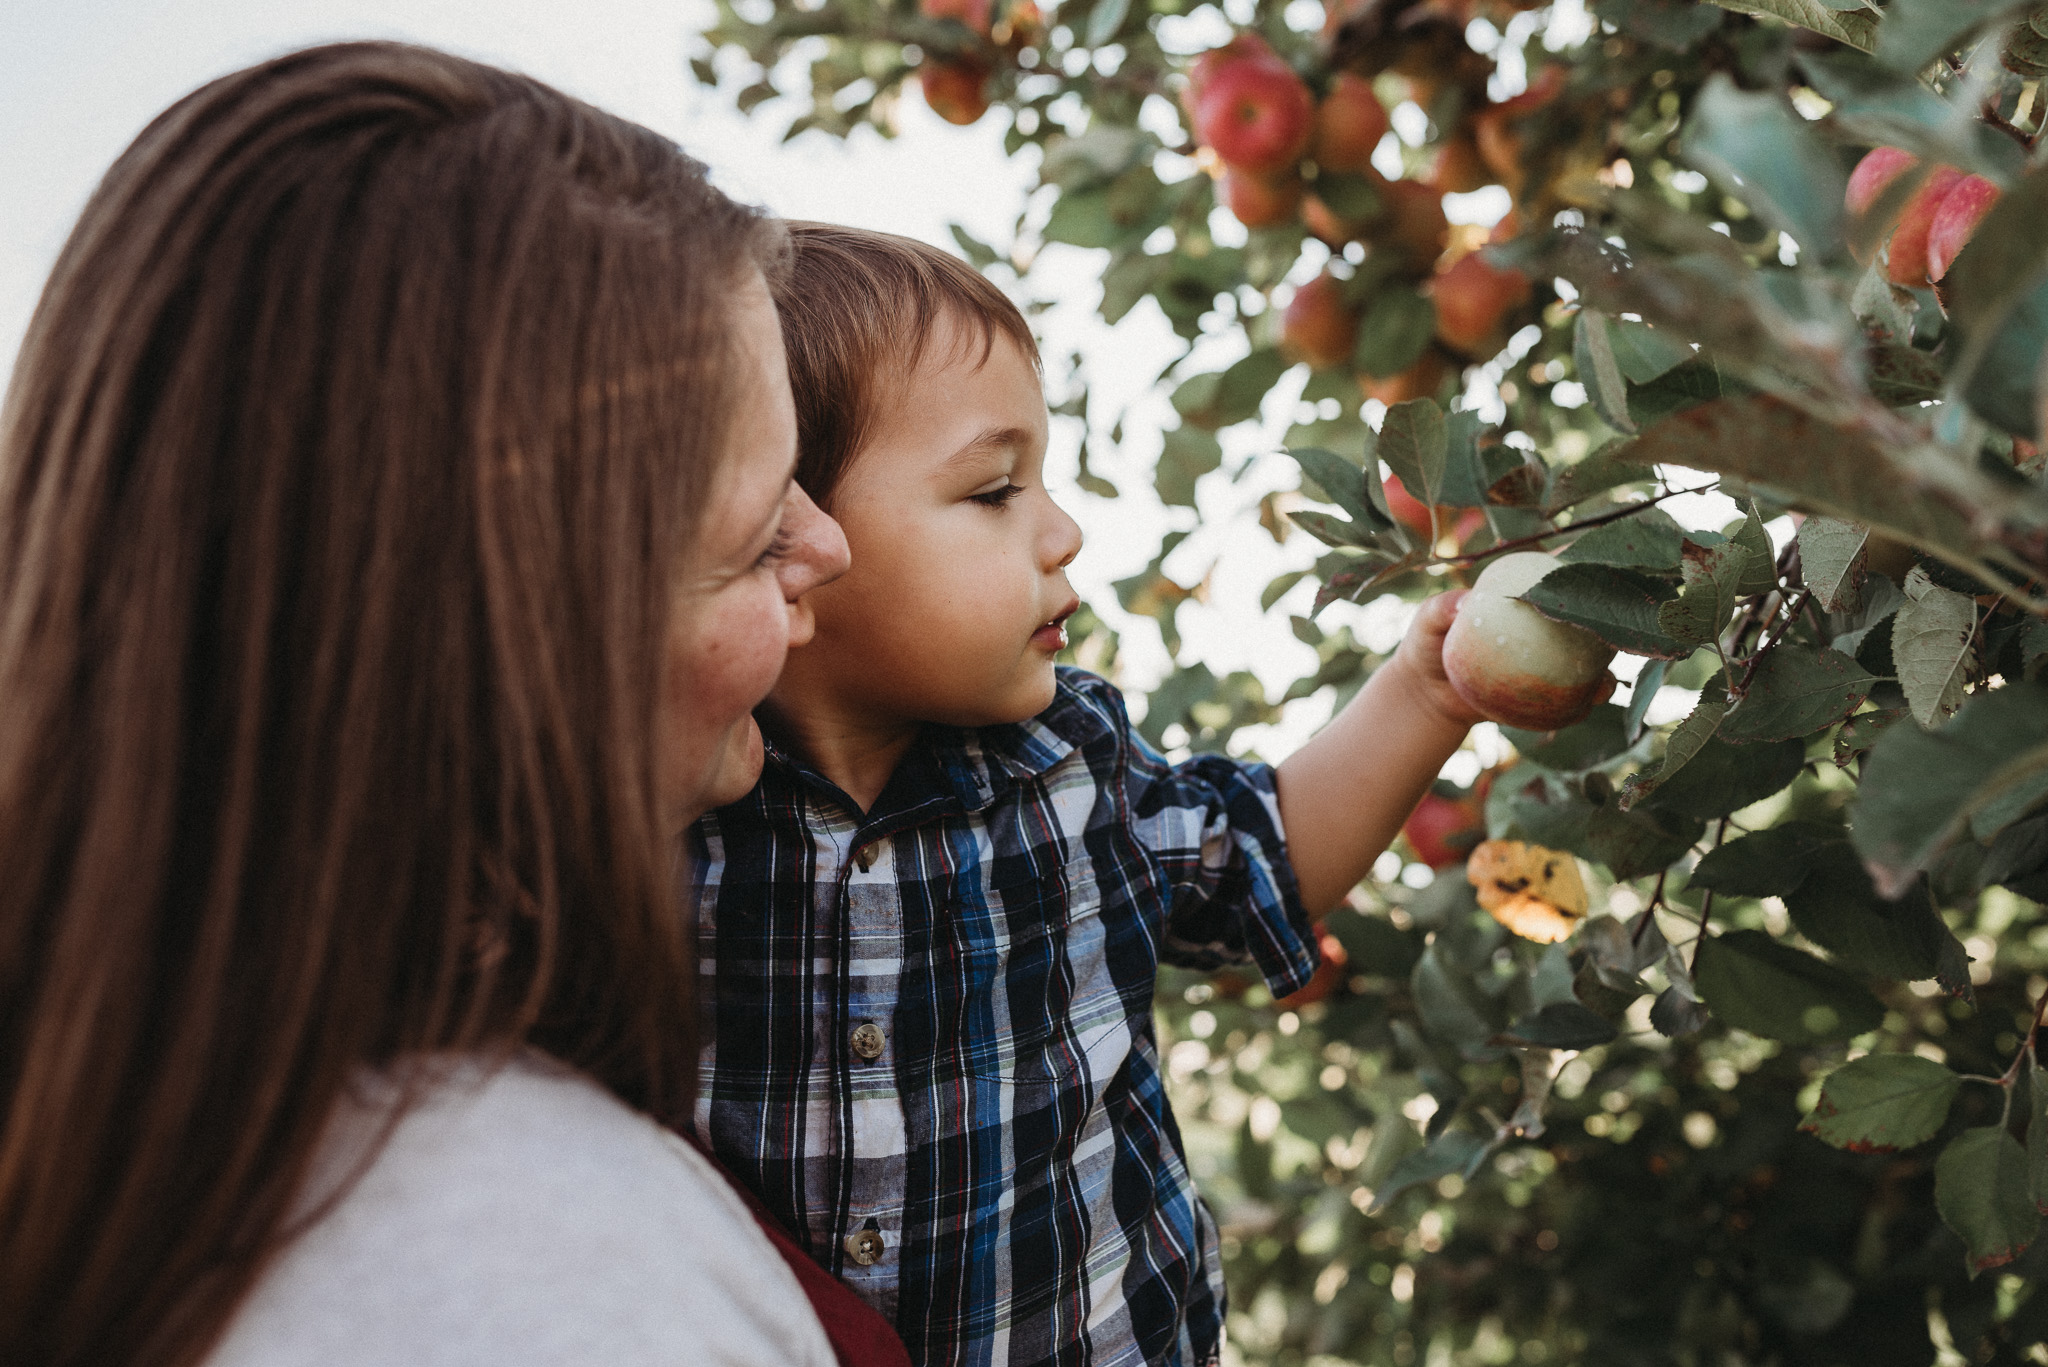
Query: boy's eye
x=996 y=498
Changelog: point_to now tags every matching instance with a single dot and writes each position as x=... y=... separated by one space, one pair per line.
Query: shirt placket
x=870 y=965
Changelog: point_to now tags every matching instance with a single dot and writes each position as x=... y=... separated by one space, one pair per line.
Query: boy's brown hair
x=859 y=308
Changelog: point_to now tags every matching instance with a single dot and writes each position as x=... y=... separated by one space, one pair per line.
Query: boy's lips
x=1052 y=637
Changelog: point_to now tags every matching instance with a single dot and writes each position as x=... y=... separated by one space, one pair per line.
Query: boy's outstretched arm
x=1345 y=793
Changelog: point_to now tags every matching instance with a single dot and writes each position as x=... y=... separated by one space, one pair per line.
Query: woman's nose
x=817 y=554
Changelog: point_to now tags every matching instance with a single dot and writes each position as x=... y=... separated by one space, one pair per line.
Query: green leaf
x=1081 y=218
x=1342 y=483
x=1721 y=778
x=1233 y=395
x=973 y=248
x=1448 y=1012
x=1982 y=1190
x=1756 y=984
x=1645 y=353
x=1458 y=1151
x=1593 y=357
x=1931 y=639
x=1650 y=540
x=1683 y=387
x=1686 y=741
x=1998 y=304
x=1915 y=32
x=1767 y=863
x=1831 y=559
x=1185 y=455
x=1706 y=600
x=1562 y=1025
x=1604 y=469
x=1105 y=19
x=1467 y=475
x=1922 y=789
x=1642 y=694
x=1760 y=570
x=1334 y=531
x=1857 y=29
x=1757 y=145
x=1586 y=745
x=1412 y=443
x=1393 y=332
x=1882 y=1103
x=1617 y=605
x=1796 y=691
x=1837 y=907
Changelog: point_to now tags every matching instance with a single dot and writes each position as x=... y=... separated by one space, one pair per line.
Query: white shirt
x=523 y=1218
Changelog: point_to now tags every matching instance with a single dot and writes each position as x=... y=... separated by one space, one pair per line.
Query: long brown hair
x=345 y=475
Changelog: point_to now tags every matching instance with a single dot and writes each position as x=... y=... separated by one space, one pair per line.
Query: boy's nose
x=1063 y=540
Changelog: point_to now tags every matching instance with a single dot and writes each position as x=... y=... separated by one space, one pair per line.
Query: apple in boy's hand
x=1516 y=666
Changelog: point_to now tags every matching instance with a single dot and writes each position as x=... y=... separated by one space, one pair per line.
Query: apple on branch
x=1350 y=122
x=1514 y=665
x=1252 y=110
x=1318 y=326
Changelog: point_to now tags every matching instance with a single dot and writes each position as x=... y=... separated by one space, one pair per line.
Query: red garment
x=860 y=1337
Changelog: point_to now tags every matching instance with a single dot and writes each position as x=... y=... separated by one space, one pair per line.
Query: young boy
x=929 y=937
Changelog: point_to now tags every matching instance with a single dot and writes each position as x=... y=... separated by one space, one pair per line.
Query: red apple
x=1328 y=975
x=1515 y=666
x=1260 y=201
x=1410 y=511
x=956 y=91
x=1496 y=129
x=1472 y=297
x=1421 y=380
x=1319 y=326
x=1349 y=124
x=1458 y=168
x=1955 y=222
x=1443 y=830
x=1245 y=47
x=1256 y=114
x=1414 y=221
x=1906 y=259
x=1873 y=176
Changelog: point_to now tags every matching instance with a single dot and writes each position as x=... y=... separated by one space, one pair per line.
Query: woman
x=367 y=635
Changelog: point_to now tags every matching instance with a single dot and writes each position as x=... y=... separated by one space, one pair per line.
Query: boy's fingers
x=1439 y=611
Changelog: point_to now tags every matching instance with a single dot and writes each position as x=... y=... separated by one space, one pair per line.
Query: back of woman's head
x=344 y=477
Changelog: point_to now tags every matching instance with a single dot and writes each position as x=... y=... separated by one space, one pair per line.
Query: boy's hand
x=1421 y=659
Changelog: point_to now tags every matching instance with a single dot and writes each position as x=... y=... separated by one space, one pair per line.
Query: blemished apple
x=1350 y=122
x=1256 y=114
x=1260 y=201
x=1318 y=326
x=1955 y=222
x=1516 y=666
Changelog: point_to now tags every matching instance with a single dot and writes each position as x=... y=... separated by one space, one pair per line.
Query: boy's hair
x=858 y=309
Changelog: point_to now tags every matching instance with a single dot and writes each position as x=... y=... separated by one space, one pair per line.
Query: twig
x=1650 y=911
x=1777 y=634
x=1538 y=537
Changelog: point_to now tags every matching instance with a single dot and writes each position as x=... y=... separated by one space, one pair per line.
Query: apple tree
x=1707 y=1027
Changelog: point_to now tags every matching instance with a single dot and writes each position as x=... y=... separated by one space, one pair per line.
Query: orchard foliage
x=1726 y=1043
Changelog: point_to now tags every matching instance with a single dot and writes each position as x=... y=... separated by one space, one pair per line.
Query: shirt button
x=867 y=1040
x=865 y=1246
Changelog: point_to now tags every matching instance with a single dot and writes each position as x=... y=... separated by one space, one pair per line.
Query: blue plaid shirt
x=932 y=1023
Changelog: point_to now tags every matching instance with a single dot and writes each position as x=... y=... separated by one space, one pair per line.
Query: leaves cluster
x=1785 y=1094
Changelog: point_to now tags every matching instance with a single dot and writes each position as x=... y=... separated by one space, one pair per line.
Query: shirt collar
x=966 y=770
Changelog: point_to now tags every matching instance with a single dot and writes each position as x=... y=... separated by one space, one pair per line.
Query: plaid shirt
x=933 y=1022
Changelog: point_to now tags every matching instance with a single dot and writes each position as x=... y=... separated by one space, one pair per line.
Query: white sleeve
x=529 y=1220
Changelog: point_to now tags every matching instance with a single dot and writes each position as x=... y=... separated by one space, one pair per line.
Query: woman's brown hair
x=345 y=476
